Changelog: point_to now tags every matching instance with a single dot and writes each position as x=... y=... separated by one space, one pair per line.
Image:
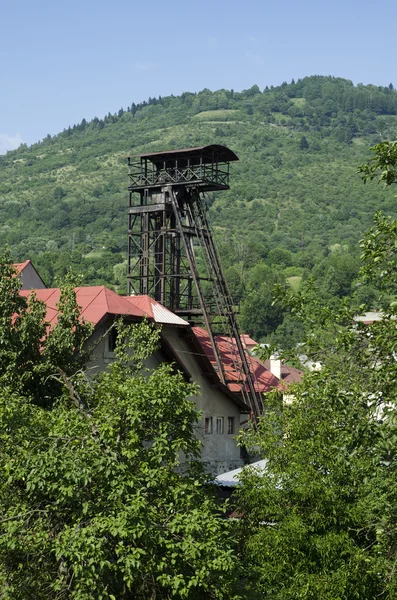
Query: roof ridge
x=92 y=300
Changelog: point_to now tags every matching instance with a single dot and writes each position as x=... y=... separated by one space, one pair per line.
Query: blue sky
x=62 y=61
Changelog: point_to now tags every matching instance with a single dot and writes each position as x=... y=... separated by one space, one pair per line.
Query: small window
x=230 y=425
x=208 y=425
x=112 y=339
x=219 y=425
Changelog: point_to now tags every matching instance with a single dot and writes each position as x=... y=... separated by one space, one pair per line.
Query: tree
x=94 y=502
x=303 y=143
x=383 y=164
x=59 y=193
x=259 y=316
x=320 y=522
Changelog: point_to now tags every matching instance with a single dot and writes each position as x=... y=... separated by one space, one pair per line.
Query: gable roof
x=28 y=274
x=264 y=381
x=156 y=311
x=20 y=266
x=95 y=303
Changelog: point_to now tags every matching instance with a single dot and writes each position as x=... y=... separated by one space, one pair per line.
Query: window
x=208 y=425
x=219 y=425
x=230 y=424
x=112 y=339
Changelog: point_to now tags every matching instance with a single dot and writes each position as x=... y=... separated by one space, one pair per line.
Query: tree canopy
x=94 y=500
x=320 y=521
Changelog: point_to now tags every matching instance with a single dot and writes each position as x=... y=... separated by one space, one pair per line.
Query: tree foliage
x=320 y=522
x=94 y=502
x=383 y=165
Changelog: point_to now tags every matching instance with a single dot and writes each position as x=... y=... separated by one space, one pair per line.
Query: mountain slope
x=294 y=193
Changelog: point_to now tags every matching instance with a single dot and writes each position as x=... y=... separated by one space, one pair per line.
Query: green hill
x=296 y=202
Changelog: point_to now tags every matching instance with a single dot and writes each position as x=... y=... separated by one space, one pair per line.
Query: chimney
x=275 y=366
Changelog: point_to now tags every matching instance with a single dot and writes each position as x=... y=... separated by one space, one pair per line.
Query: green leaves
x=95 y=500
x=383 y=165
x=320 y=522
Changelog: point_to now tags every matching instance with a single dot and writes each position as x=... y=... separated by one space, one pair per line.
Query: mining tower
x=171 y=253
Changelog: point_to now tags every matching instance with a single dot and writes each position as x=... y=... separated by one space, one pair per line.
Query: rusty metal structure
x=171 y=252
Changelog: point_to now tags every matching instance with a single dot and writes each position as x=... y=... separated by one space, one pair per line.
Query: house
x=220 y=406
x=369 y=317
x=268 y=375
x=285 y=374
x=223 y=407
x=248 y=343
x=228 y=482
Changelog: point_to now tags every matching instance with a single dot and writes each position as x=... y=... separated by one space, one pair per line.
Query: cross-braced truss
x=172 y=258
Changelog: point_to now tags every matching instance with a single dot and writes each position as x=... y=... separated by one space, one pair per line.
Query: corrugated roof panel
x=155 y=310
x=232 y=478
x=163 y=315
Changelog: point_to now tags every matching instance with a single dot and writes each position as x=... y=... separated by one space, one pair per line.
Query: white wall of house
x=220 y=451
x=101 y=353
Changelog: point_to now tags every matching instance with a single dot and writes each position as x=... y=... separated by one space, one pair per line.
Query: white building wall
x=220 y=452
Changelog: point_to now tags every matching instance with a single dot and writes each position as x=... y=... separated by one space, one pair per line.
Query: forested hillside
x=297 y=206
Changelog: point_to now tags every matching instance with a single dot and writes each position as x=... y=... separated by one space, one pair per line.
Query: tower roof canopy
x=209 y=154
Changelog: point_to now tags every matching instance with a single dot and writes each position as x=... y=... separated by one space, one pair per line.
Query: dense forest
x=295 y=212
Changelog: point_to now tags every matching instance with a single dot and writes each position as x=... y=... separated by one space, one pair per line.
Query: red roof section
x=95 y=302
x=288 y=374
x=142 y=302
x=247 y=340
x=264 y=380
x=20 y=266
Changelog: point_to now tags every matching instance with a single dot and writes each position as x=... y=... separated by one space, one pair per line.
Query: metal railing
x=141 y=176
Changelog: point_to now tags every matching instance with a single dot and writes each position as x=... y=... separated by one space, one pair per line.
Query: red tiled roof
x=95 y=302
x=288 y=374
x=247 y=340
x=264 y=380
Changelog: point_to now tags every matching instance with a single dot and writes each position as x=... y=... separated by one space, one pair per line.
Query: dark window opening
x=112 y=339
x=219 y=425
x=208 y=425
x=230 y=425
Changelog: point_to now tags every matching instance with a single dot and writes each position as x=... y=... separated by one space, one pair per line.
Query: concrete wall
x=220 y=452
x=101 y=355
